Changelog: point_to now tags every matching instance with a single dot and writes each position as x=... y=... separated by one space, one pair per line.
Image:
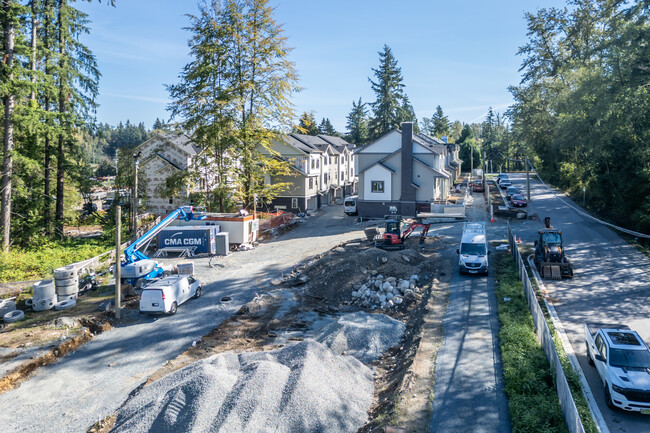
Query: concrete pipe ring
x=65 y=305
x=65 y=272
x=14 y=316
x=67 y=290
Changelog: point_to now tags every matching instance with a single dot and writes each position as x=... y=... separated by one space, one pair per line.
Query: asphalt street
x=91 y=383
x=469 y=394
x=610 y=285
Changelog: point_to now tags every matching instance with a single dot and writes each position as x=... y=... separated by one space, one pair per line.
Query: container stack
x=66 y=281
x=44 y=295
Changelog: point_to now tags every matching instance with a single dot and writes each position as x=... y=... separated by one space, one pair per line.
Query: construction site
x=328 y=342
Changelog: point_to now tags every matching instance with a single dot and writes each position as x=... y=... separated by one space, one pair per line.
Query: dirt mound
x=342 y=270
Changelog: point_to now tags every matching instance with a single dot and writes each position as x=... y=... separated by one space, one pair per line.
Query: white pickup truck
x=623 y=362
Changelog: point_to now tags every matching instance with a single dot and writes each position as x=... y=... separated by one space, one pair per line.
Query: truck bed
x=594 y=327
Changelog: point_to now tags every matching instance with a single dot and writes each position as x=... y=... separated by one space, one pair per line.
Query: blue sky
x=459 y=54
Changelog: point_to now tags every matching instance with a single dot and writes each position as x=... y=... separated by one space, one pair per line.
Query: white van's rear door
x=151 y=301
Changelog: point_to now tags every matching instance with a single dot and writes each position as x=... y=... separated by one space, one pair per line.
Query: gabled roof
x=337 y=142
x=313 y=142
x=436 y=172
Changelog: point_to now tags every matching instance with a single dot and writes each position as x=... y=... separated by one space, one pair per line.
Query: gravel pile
x=362 y=335
x=305 y=387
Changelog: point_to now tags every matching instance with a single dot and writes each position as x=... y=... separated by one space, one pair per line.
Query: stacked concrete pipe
x=66 y=281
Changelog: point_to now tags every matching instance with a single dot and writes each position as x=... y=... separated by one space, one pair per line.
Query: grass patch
x=532 y=399
x=39 y=261
x=516 y=313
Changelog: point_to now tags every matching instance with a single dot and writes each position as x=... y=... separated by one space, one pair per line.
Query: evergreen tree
x=407 y=114
x=358 y=124
x=237 y=86
x=76 y=77
x=307 y=124
x=325 y=127
x=389 y=90
x=440 y=123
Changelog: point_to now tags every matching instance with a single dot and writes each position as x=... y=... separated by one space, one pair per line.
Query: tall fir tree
x=357 y=124
x=389 y=91
x=440 y=123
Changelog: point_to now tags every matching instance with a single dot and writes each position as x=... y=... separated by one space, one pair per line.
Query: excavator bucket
x=556 y=273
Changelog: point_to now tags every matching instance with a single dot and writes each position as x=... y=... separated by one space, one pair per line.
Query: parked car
x=478 y=185
x=505 y=183
x=518 y=200
x=166 y=294
x=500 y=177
x=512 y=190
x=622 y=360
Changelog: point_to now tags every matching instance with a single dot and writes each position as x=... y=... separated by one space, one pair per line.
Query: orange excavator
x=393 y=238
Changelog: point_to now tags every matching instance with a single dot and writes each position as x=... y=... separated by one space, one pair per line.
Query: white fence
x=569 y=409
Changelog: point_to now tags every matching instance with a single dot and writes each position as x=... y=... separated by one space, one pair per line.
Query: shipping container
x=201 y=237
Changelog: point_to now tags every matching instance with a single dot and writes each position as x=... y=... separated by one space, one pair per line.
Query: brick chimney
x=407 y=198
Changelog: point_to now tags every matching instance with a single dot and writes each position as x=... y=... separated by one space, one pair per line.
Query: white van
x=473 y=252
x=165 y=295
x=350 y=205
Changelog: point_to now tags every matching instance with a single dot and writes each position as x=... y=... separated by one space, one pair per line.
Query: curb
x=568 y=349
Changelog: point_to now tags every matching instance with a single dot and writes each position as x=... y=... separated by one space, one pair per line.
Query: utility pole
x=118 y=262
x=471 y=160
x=136 y=158
x=527 y=180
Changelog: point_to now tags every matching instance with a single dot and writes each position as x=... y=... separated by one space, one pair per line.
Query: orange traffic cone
x=519 y=241
x=492 y=219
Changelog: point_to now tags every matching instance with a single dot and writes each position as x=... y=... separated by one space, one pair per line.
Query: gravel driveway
x=91 y=383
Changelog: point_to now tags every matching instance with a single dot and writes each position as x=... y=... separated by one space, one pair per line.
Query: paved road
x=611 y=284
x=86 y=386
x=469 y=394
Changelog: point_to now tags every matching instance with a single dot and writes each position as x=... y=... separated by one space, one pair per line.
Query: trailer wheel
x=198 y=293
x=172 y=310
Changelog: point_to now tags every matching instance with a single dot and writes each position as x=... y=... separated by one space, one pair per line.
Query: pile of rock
x=384 y=292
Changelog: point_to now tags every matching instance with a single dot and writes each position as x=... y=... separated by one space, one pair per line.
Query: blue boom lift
x=137 y=268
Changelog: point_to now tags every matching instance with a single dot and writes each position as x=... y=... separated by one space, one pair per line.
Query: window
x=342 y=175
x=171 y=201
x=336 y=159
x=330 y=159
x=352 y=172
x=313 y=163
x=325 y=178
x=377 y=186
x=317 y=163
x=294 y=202
x=311 y=182
x=325 y=161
